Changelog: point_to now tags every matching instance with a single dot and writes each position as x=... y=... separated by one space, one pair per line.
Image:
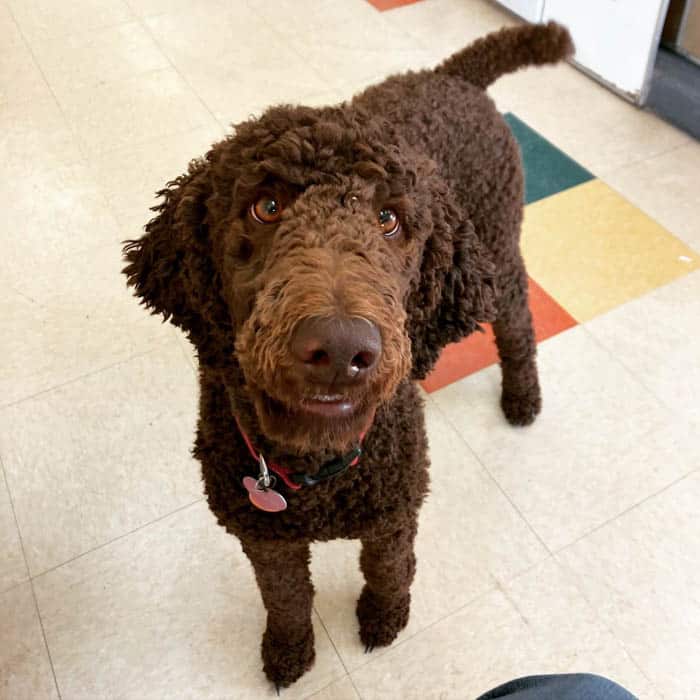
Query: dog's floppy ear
x=169 y=267
x=453 y=295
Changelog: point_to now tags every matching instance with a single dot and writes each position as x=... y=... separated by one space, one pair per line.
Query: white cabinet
x=531 y=10
x=616 y=40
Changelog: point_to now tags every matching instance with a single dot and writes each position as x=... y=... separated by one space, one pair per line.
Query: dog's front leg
x=282 y=572
x=515 y=337
x=389 y=564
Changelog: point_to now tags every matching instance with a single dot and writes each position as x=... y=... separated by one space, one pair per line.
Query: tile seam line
x=85 y=149
x=325 y=687
x=649 y=216
x=630 y=373
x=29 y=580
x=664 y=152
x=123 y=361
x=491 y=476
x=572 y=574
x=142 y=21
x=491 y=588
x=561 y=550
x=46 y=642
x=102 y=545
x=603 y=621
x=284 y=38
x=495 y=584
x=190 y=360
x=340 y=658
x=633 y=377
x=75 y=136
x=123 y=79
x=136 y=143
x=325 y=629
x=14 y=585
x=63 y=36
x=84 y=159
x=39 y=68
x=77 y=252
x=16 y=522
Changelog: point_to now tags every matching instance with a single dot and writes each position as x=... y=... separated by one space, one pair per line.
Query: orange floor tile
x=383 y=5
x=458 y=360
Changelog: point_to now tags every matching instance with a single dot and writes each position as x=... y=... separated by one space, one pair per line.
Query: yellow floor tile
x=592 y=250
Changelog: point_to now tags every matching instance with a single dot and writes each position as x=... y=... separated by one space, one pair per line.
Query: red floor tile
x=479 y=350
x=383 y=5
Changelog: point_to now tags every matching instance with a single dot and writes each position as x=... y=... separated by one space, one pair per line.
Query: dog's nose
x=336 y=350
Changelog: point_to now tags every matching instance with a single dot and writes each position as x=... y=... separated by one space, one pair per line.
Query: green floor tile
x=547 y=169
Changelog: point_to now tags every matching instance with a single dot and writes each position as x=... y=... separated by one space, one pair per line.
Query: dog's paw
x=284 y=661
x=521 y=409
x=381 y=622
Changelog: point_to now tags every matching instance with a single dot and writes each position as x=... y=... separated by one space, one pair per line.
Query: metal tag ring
x=260 y=484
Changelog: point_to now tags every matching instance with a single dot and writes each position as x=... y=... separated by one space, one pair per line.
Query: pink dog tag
x=266 y=499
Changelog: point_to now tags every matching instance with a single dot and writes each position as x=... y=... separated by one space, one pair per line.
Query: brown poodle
x=319 y=259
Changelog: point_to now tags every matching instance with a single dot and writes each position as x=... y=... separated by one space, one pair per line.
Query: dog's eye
x=389 y=222
x=267 y=210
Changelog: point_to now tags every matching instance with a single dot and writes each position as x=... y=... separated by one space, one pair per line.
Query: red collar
x=295 y=480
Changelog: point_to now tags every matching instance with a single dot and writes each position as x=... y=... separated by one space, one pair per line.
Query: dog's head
x=322 y=257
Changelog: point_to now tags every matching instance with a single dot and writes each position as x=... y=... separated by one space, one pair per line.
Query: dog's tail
x=496 y=54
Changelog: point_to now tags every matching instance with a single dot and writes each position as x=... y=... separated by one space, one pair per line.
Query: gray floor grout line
x=85 y=159
x=603 y=175
x=395 y=645
x=226 y=126
x=85 y=149
x=636 y=505
x=181 y=340
x=64 y=36
x=136 y=143
x=355 y=688
x=609 y=520
x=102 y=545
x=635 y=378
x=572 y=576
x=655 y=219
x=43 y=634
x=75 y=137
x=325 y=629
x=554 y=554
x=29 y=579
x=59 y=37
x=342 y=662
x=92 y=373
x=14 y=517
x=285 y=40
x=147 y=29
x=495 y=481
x=630 y=372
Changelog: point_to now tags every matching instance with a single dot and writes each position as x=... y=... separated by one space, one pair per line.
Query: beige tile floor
x=572 y=546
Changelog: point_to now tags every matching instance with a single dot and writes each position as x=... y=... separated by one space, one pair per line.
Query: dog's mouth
x=331 y=407
x=328 y=405
x=315 y=421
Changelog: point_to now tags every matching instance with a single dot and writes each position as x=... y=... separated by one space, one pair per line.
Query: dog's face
x=320 y=255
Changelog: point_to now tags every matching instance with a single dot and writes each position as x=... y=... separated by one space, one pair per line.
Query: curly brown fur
x=429 y=146
x=288 y=642
x=389 y=565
